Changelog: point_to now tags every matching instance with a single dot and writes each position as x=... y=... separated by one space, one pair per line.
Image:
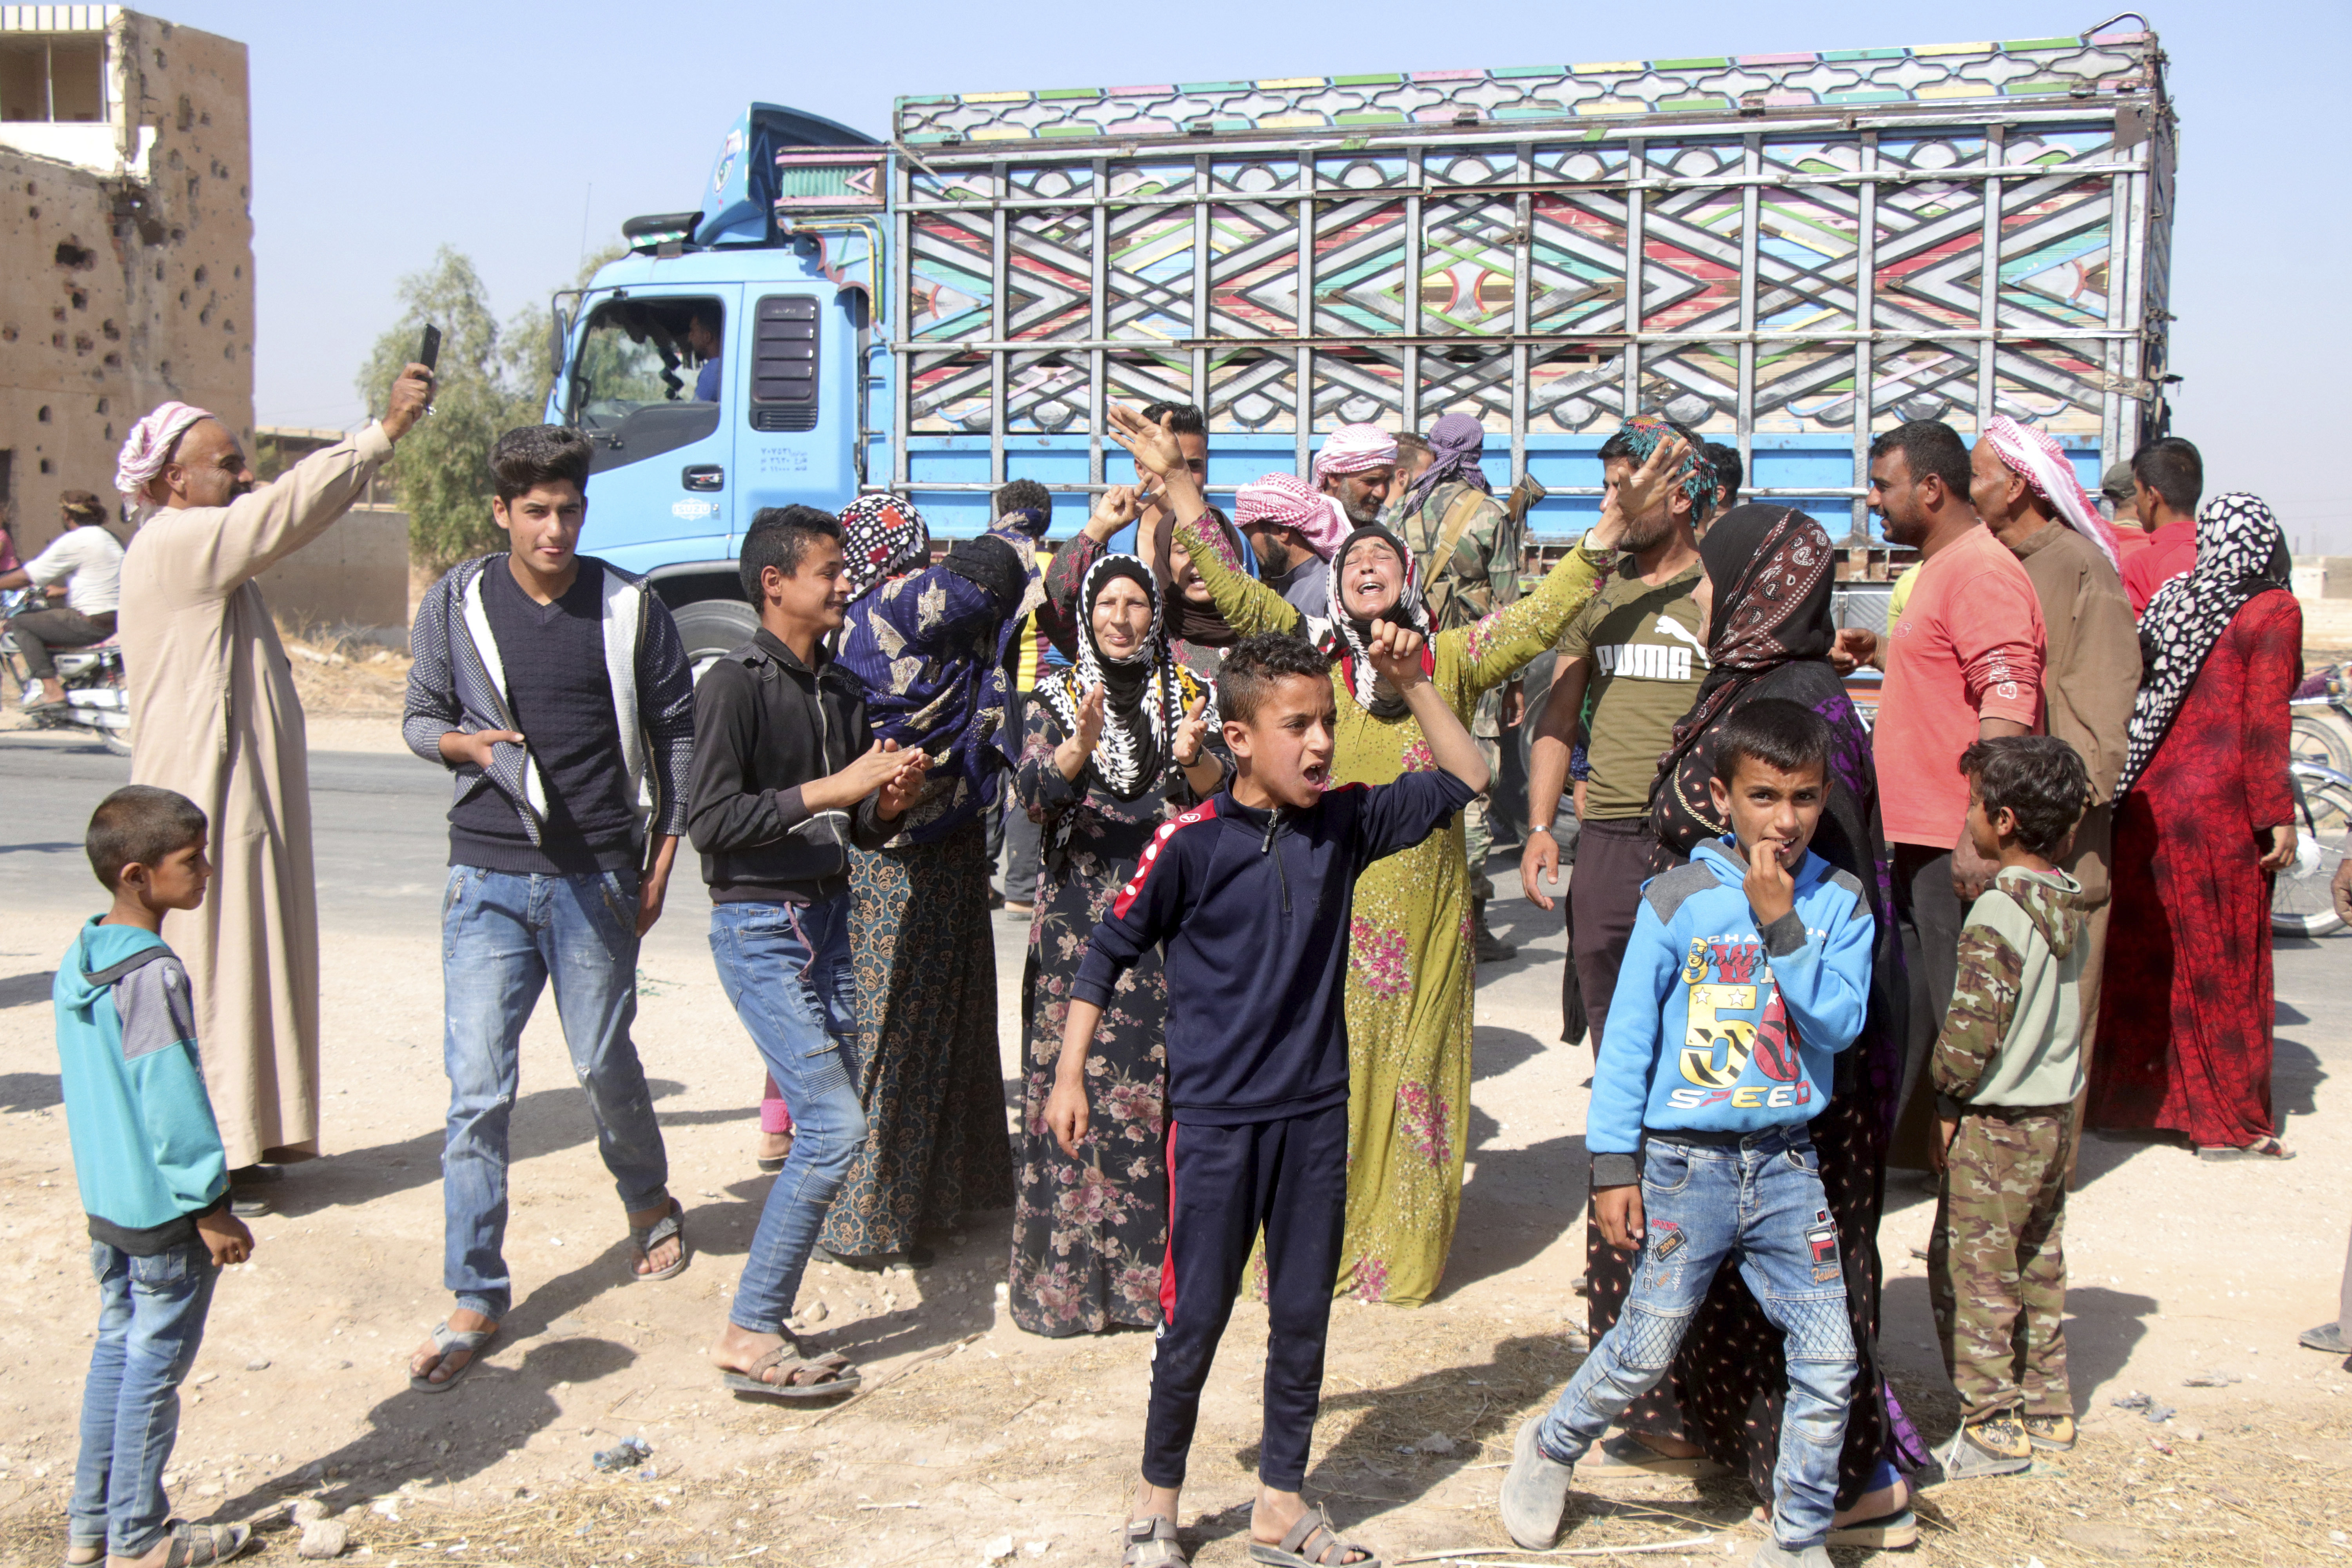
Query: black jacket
x=765 y=724
x=1253 y=909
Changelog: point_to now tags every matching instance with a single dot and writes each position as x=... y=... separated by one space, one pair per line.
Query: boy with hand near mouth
x=1251 y=894
x=1748 y=969
x=2006 y=1068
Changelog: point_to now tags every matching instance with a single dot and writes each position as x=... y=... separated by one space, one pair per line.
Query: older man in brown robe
x=215 y=716
x=2028 y=495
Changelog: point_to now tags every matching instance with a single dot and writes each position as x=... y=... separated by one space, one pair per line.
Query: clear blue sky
x=382 y=132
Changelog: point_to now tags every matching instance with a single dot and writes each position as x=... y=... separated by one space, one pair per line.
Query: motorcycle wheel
x=2302 y=901
x=116 y=741
x=2320 y=739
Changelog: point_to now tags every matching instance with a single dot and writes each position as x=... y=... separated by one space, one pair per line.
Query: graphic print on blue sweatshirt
x=1720 y=1026
x=1251 y=908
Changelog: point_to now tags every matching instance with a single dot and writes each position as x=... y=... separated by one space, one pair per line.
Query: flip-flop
x=1626 y=1452
x=1331 y=1553
x=1888 y=1533
x=2259 y=1148
x=791 y=1358
x=445 y=1339
x=643 y=1242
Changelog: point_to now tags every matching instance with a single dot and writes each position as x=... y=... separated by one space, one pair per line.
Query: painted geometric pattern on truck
x=1927 y=241
x=1936 y=73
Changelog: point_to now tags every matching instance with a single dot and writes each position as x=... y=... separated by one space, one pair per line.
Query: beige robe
x=215 y=716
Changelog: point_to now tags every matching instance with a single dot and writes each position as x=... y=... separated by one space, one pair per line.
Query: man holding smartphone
x=215 y=716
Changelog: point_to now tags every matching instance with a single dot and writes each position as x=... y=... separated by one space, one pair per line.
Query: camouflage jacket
x=1482 y=575
x=2013 y=1033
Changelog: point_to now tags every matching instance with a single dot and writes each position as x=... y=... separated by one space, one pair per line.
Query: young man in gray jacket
x=554 y=687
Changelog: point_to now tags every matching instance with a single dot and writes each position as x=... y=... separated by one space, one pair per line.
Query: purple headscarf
x=1454 y=443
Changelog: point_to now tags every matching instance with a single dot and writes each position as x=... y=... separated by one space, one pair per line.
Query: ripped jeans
x=1755 y=1199
x=786 y=969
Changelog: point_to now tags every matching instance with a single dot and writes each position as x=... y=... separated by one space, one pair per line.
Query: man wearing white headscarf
x=2025 y=491
x=215 y=716
x=1356 y=467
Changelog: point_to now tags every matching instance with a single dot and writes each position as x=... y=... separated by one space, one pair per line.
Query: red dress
x=2185 y=1011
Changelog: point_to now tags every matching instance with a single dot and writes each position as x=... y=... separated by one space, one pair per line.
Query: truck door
x=798 y=433
x=650 y=386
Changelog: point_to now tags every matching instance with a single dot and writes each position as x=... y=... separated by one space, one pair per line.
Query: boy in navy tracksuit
x=1250 y=895
x=153 y=1178
x=1748 y=969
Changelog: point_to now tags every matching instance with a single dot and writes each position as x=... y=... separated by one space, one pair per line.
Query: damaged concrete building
x=126 y=243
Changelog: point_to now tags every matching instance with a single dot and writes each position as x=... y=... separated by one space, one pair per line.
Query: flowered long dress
x=1089 y=1234
x=930 y=650
x=1409 y=963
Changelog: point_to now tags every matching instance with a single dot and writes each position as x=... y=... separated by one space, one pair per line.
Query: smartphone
x=428 y=353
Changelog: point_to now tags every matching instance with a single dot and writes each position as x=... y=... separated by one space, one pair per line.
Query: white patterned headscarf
x=1144 y=695
x=2240 y=554
x=1349 y=640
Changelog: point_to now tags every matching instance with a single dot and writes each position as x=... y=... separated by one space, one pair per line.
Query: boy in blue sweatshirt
x=1748 y=969
x=1249 y=894
x=153 y=1177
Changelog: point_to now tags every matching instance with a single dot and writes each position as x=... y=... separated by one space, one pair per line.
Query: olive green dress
x=1409 y=964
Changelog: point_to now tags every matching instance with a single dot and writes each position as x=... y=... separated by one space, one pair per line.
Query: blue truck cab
x=721 y=366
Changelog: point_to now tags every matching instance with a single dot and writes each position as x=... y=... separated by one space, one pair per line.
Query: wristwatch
x=1539 y=828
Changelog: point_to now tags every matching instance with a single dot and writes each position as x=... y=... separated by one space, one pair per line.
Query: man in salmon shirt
x=1964 y=663
x=2168 y=475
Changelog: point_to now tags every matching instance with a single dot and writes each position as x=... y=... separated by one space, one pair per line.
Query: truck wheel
x=712 y=629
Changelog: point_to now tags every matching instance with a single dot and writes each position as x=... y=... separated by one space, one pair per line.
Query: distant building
x=126 y=242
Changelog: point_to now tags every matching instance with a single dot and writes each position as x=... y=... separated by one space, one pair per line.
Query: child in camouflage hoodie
x=2006 y=1068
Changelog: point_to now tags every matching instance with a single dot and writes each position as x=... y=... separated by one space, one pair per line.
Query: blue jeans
x=1758 y=1200
x=503 y=938
x=150 y=1318
x=786 y=969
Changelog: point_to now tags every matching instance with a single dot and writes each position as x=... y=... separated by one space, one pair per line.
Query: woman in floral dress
x=1114 y=747
x=1409 y=966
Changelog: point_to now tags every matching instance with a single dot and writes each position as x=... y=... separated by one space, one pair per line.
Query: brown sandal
x=1152 y=1543
x=1332 y=1553
x=828 y=1375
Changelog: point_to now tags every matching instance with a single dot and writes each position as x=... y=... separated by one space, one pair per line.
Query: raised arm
x=1248 y=606
x=202 y=554
x=1499 y=645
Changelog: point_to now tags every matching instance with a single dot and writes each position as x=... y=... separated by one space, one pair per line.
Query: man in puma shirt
x=1638 y=649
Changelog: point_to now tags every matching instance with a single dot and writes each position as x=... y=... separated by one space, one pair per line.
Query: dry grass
x=343 y=676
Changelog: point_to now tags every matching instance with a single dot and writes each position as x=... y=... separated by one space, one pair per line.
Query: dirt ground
x=976 y=1441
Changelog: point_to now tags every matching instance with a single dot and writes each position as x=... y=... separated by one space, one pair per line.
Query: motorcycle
x=97 y=700
x=2302 y=901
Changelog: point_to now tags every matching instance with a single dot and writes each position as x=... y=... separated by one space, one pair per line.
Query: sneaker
x=1996 y=1445
x=1535 y=1492
x=2053 y=1432
x=2328 y=1337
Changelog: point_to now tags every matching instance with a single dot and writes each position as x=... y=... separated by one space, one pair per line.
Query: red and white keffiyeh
x=1285 y=500
x=148 y=447
x=2033 y=456
x=1353 y=449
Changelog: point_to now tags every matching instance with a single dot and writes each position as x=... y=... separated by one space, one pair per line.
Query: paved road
x=382 y=850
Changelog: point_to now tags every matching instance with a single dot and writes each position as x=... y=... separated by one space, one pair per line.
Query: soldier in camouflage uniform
x=2006 y=1069
x=1480 y=574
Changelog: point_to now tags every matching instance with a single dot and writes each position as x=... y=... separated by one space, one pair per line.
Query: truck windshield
x=638 y=353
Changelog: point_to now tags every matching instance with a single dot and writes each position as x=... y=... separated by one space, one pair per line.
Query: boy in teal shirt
x=153 y=1178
